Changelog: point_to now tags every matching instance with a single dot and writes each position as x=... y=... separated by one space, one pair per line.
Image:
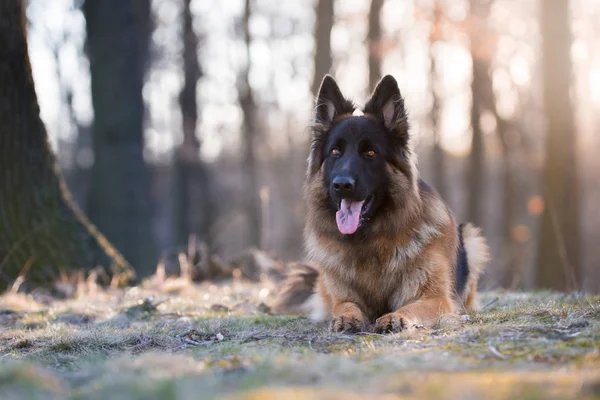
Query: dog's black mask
x=355 y=175
x=354 y=150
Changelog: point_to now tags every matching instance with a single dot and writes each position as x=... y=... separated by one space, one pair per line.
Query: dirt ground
x=175 y=340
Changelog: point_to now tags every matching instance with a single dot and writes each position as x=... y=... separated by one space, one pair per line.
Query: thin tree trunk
x=250 y=135
x=558 y=249
x=324 y=23
x=41 y=230
x=476 y=168
x=513 y=275
x=374 y=42
x=192 y=205
x=476 y=164
x=435 y=35
x=120 y=194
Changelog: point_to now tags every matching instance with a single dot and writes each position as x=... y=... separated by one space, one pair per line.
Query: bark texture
x=42 y=232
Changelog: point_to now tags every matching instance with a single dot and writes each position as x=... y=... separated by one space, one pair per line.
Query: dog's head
x=363 y=163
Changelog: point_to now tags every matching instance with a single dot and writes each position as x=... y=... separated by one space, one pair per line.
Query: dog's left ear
x=387 y=105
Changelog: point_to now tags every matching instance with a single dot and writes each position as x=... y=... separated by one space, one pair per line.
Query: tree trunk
x=435 y=35
x=120 y=200
x=324 y=23
x=41 y=230
x=250 y=135
x=480 y=10
x=374 y=42
x=476 y=164
x=192 y=214
x=558 y=248
x=513 y=271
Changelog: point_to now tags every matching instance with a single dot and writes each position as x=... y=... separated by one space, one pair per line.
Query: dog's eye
x=370 y=153
x=335 y=152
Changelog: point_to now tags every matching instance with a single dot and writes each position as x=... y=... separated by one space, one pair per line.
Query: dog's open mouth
x=350 y=213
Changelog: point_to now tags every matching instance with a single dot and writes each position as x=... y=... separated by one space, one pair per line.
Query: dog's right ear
x=331 y=103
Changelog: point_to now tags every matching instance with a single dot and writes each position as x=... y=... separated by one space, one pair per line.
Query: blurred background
x=179 y=122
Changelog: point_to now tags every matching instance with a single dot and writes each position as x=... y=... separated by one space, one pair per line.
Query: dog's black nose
x=343 y=185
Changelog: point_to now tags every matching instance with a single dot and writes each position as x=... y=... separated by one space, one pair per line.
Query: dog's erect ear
x=330 y=102
x=387 y=105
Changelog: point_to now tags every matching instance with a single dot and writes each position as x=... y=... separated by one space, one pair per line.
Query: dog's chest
x=384 y=285
x=387 y=279
x=374 y=287
x=385 y=276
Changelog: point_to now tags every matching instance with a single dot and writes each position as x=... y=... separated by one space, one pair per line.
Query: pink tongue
x=348 y=216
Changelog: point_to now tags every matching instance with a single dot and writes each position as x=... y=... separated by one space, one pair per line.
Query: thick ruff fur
x=408 y=263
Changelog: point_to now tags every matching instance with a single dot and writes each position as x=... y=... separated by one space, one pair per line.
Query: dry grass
x=185 y=341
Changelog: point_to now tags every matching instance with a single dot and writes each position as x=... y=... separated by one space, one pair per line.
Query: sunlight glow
x=595 y=85
x=519 y=70
x=281 y=69
x=456 y=135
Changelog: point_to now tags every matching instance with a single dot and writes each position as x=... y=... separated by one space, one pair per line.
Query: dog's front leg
x=423 y=312
x=347 y=317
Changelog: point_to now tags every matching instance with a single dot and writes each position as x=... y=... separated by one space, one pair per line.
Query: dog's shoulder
x=434 y=208
x=433 y=237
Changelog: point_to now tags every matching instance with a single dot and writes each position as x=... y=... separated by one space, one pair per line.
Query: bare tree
x=324 y=23
x=476 y=170
x=435 y=36
x=41 y=231
x=374 y=42
x=192 y=204
x=250 y=136
x=513 y=271
x=558 y=248
x=120 y=198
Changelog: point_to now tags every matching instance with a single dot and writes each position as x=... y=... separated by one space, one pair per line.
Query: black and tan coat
x=408 y=262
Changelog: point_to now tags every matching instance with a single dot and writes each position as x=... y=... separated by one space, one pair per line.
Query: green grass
x=184 y=341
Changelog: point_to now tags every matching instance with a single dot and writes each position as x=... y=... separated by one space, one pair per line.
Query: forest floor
x=178 y=340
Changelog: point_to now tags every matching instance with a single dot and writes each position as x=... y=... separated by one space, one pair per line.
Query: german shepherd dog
x=388 y=251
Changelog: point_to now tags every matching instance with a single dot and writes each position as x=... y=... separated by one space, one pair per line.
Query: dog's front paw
x=346 y=324
x=392 y=322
